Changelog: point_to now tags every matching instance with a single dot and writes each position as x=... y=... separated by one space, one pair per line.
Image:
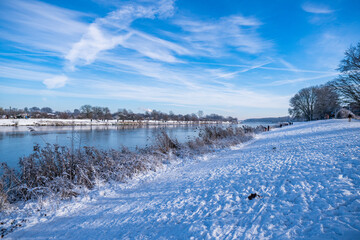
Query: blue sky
x=238 y=58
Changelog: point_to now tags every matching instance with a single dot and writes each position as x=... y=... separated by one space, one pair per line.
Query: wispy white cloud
x=56 y=81
x=40 y=25
x=297 y=80
x=287 y=69
x=157 y=71
x=152 y=82
x=154 y=47
x=166 y=94
x=25 y=71
x=92 y=42
x=316 y=8
x=218 y=73
x=290 y=66
x=198 y=37
x=214 y=36
x=115 y=30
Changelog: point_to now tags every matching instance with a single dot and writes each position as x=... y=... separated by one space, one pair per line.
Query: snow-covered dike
x=308 y=177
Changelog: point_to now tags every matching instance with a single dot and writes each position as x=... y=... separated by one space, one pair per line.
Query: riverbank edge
x=93 y=122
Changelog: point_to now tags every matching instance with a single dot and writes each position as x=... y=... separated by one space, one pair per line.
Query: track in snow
x=308 y=176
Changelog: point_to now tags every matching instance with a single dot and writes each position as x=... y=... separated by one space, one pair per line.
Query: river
x=16 y=142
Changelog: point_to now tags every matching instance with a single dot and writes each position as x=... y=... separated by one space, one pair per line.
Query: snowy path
x=308 y=176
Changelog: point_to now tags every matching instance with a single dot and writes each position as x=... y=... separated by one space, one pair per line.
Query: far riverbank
x=91 y=122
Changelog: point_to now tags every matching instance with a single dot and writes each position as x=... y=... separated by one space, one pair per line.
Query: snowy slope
x=308 y=177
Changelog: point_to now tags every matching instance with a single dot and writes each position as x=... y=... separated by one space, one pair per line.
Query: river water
x=16 y=142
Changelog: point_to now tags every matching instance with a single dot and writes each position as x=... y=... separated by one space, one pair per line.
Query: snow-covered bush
x=164 y=143
x=3 y=196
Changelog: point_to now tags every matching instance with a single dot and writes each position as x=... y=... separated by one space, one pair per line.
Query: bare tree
x=76 y=112
x=303 y=104
x=327 y=102
x=314 y=103
x=87 y=111
x=46 y=110
x=97 y=112
x=107 y=113
x=348 y=83
x=34 y=109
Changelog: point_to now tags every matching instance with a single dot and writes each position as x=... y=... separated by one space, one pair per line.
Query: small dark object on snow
x=274 y=148
x=253 y=195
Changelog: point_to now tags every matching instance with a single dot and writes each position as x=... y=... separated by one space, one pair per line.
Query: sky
x=235 y=58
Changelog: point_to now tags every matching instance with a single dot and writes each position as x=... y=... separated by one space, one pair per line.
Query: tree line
x=104 y=113
x=321 y=102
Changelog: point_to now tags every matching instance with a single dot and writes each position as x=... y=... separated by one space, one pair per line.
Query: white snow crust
x=307 y=174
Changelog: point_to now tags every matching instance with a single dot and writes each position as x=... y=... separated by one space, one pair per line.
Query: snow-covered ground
x=308 y=177
x=86 y=122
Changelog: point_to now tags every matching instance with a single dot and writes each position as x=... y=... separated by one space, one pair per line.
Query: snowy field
x=308 y=177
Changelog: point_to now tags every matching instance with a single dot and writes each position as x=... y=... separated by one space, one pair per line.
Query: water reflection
x=16 y=142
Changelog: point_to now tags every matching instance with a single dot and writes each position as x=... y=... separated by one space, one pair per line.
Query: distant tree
x=107 y=113
x=87 y=111
x=348 y=83
x=125 y=112
x=97 y=112
x=303 y=104
x=46 y=110
x=155 y=115
x=34 y=109
x=64 y=115
x=231 y=119
x=187 y=117
x=214 y=117
x=194 y=117
x=200 y=113
x=165 y=116
x=76 y=112
x=122 y=114
x=147 y=115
